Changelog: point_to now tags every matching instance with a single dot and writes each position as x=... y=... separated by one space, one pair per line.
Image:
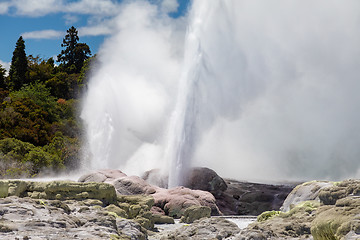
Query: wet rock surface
x=232 y=197
x=333 y=213
x=205 y=228
x=97 y=210
x=26 y=218
x=172 y=202
x=245 y=198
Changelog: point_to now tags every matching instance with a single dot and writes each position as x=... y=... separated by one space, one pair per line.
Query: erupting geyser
x=265 y=90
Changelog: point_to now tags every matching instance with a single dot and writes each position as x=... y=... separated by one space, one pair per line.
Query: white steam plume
x=130 y=96
x=276 y=93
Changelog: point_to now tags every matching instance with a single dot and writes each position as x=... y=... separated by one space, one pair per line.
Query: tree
x=19 y=66
x=40 y=69
x=74 y=54
x=2 y=77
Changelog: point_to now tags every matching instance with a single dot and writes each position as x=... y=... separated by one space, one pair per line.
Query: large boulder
x=198 y=178
x=205 y=179
x=304 y=192
x=246 y=198
x=175 y=201
x=130 y=185
x=105 y=175
x=194 y=212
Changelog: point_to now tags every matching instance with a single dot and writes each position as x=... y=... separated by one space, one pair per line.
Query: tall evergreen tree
x=2 y=77
x=19 y=66
x=74 y=54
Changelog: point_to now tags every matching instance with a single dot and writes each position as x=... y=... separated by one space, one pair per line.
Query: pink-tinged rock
x=199 y=178
x=130 y=185
x=105 y=175
x=157 y=210
x=174 y=201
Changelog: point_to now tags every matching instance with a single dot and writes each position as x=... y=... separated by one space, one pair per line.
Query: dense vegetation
x=39 y=123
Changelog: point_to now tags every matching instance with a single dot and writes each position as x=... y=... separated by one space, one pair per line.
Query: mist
x=274 y=85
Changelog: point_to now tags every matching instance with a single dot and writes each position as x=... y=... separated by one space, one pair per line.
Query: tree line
x=39 y=123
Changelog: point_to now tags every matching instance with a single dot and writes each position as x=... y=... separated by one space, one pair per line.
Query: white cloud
x=169 y=6
x=93 y=7
x=70 y=19
x=4 y=7
x=43 y=34
x=97 y=30
x=37 y=8
x=5 y=65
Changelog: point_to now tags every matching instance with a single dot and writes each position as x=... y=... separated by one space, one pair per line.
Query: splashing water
x=265 y=90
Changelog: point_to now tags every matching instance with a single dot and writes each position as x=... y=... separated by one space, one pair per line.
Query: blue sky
x=43 y=23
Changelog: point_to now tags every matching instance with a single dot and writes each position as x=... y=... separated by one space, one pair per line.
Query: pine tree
x=2 y=77
x=74 y=54
x=19 y=66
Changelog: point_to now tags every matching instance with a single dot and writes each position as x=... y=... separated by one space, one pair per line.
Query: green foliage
x=306 y=206
x=39 y=122
x=58 y=85
x=40 y=95
x=19 y=66
x=63 y=85
x=39 y=69
x=74 y=54
x=16 y=154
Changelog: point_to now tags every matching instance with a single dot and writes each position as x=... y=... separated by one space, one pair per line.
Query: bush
x=19 y=158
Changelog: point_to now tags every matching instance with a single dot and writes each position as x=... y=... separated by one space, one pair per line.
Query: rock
x=294 y=224
x=60 y=190
x=131 y=230
x=106 y=175
x=118 y=211
x=12 y=188
x=174 y=201
x=339 y=190
x=162 y=219
x=157 y=210
x=205 y=228
x=245 y=198
x=144 y=201
x=304 y=192
x=332 y=214
x=193 y=213
x=26 y=218
x=198 y=178
x=205 y=179
x=336 y=222
x=131 y=185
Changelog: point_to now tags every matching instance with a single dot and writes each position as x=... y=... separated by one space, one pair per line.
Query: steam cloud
x=277 y=89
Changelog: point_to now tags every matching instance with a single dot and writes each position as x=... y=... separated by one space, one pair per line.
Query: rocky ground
x=111 y=205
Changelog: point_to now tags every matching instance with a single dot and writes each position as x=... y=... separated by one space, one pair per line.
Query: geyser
x=266 y=90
